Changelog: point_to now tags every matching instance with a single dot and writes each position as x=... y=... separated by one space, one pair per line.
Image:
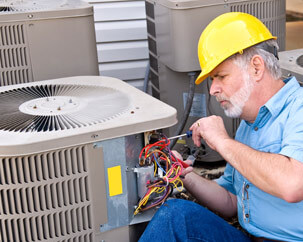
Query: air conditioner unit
x=67 y=150
x=42 y=40
x=291 y=62
x=174 y=28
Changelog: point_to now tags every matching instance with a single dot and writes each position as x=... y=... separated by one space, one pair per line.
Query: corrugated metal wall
x=121 y=39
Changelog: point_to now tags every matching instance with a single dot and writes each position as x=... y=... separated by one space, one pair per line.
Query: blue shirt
x=278 y=129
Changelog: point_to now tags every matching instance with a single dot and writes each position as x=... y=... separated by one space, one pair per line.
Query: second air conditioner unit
x=42 y=40
x=174 y=28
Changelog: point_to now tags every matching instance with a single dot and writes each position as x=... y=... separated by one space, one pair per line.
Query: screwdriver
x=188 y=134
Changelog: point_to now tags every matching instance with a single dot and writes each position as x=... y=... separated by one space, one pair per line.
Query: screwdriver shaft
x=187 y=134
x=177 y=136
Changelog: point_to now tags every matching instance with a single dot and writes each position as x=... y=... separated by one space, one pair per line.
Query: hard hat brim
x=201 y=78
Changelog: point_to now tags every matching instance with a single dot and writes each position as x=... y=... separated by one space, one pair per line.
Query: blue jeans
x=182 y=220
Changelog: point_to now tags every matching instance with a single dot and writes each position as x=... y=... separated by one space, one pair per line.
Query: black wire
x=189 y=102
x=209 y=97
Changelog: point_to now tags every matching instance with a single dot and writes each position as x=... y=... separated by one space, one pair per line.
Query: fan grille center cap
x=55 y=105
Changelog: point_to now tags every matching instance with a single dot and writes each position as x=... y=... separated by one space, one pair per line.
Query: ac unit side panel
x=118 y=195
x=63 y=47
x=176 y=48
x=95 y=156
x=52 y=196
x=77 y=110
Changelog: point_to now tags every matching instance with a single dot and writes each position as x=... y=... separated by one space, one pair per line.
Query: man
x=263 y=179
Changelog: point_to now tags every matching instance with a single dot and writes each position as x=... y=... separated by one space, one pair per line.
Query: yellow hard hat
x=226 y=35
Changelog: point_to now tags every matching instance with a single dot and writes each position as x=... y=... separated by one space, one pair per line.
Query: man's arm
x=275 y=174
x=210 y=194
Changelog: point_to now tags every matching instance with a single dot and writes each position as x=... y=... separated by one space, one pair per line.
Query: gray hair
x=271 y=62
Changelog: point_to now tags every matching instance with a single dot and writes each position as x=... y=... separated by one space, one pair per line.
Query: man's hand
x=211 y=129
x=186 y=170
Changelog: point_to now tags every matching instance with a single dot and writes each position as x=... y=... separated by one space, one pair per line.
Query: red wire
x=161 y=143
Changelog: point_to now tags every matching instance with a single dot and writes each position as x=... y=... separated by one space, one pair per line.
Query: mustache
x=220 y=98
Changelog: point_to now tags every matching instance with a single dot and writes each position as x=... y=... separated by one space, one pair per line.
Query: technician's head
x=234 y=50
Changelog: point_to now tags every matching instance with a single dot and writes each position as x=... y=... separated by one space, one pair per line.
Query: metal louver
x=43 y=194
x=41 y=108
x=270 y=12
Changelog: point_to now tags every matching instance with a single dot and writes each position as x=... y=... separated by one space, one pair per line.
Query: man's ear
x=257 y=66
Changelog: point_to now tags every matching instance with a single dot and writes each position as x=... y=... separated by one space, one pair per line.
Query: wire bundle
x=167 y=174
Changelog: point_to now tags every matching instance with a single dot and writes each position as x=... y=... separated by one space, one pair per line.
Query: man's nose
x=214 y=88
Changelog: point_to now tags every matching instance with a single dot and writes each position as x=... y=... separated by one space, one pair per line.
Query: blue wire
x=158 y=163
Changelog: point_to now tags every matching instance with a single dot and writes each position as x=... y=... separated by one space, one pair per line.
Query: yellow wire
x=175 y=182
x=155 y=170
x=178 y=181
x=144 y=201
x=160 y=189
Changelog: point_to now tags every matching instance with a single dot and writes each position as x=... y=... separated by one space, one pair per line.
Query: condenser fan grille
x=6 y=9
x=59 y=107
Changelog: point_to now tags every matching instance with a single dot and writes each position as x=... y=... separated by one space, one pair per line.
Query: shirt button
x=246 y=215
x=256 y=128
x=247 y=186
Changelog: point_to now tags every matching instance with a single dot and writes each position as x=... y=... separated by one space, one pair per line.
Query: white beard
x=236 y=102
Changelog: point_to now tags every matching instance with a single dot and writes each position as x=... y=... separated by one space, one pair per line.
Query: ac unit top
x=51 y=114
x=28 y=10
x=291 y=63
x=188 y=4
